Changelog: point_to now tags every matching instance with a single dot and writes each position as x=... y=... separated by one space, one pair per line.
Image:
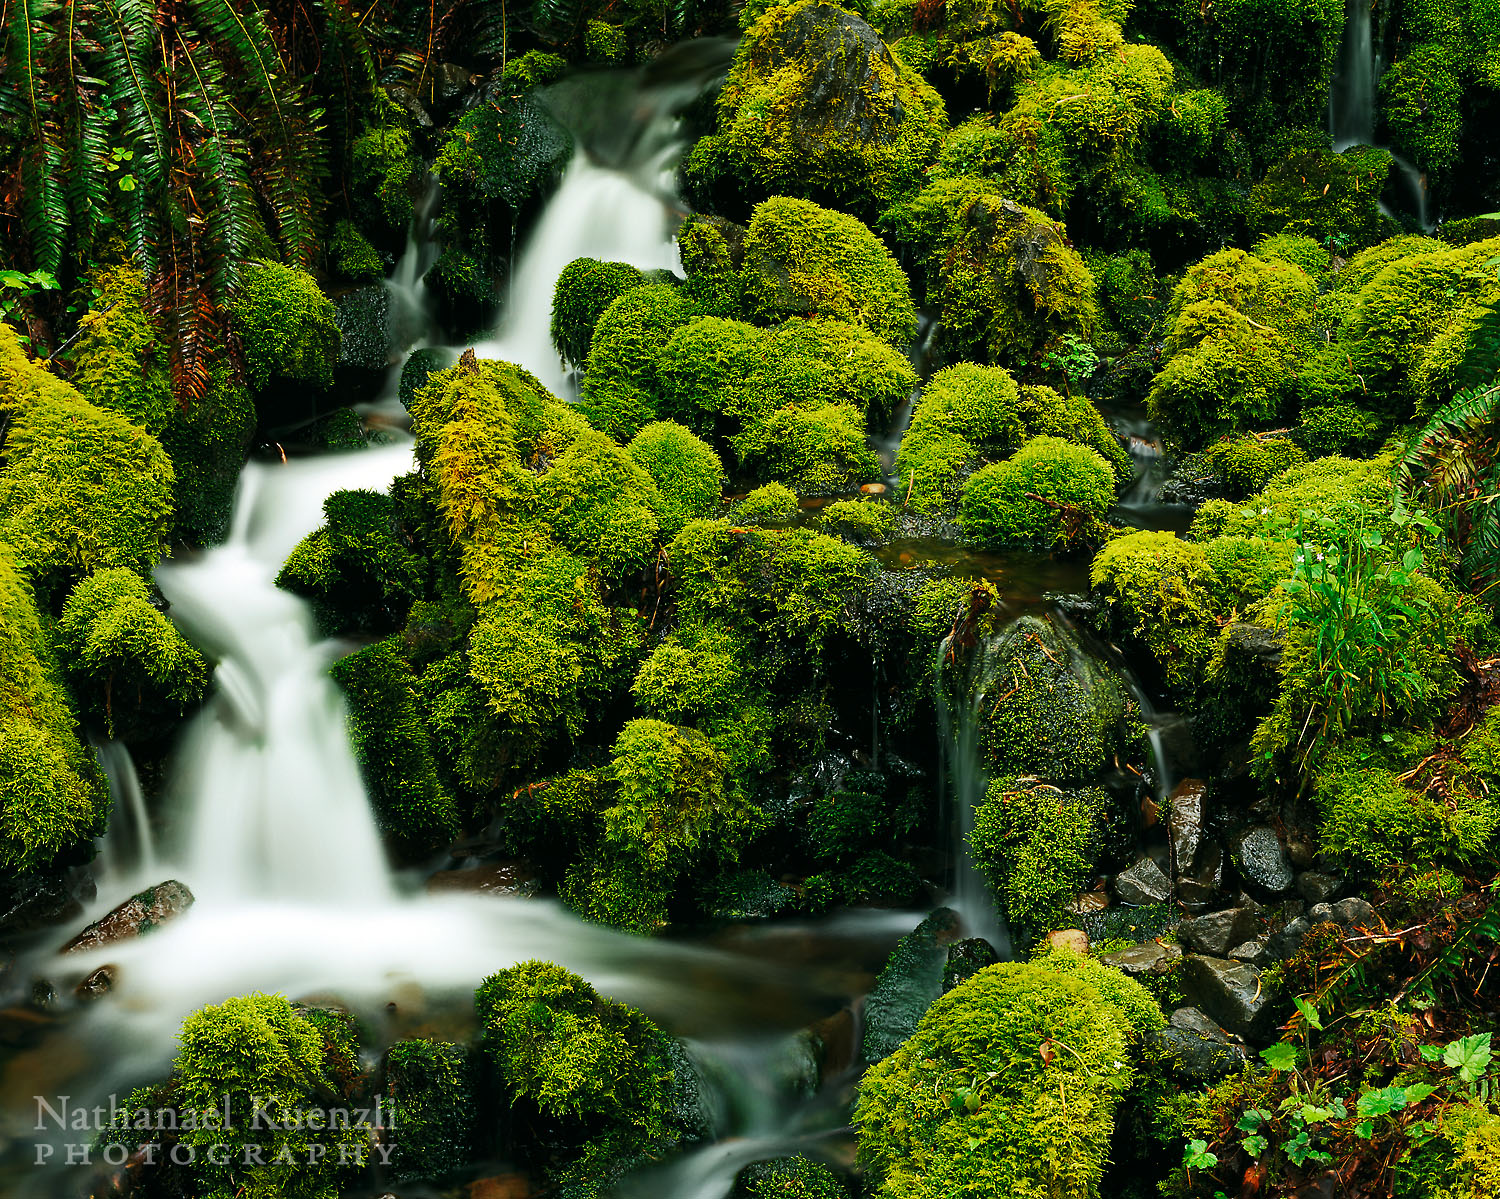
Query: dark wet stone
x=1261 y=859
x=1185 y=825
x=407 y=101
x=967 y=958
x=1230 y=992
x=1285 y=943
x=1316 y=887
x=43 y=899
x=1255 y=952
x=361 y=316
x=1217 y=932
x=513 y=878
x=137 y=916
x=1151 y=959
x=97 y=984
x=911 y=980
x=1142 y=884
x=1353 y=914
x=1196 y=1049
x=452 y=84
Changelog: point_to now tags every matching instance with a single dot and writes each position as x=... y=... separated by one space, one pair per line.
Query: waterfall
x=411 y=322
x=269 y=787
x=963 y=780
x=128 y=850
x=1351 y=104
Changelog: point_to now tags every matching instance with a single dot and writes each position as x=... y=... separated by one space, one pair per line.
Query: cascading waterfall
x=1351 y=103
x=411 y=322
x=964 y=786
x=128 y=850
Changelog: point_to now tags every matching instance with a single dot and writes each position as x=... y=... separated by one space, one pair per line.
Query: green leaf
x=1254 y=1145
x=1365 y=1129
x=1470 y=1056
x=1309 y=1013
x=1281 y=1056
x=1430 y=1053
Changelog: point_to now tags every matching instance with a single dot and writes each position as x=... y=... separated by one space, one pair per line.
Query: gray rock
x=1143 y=883
x=1316 y=887
x=1285 y=943
x=1262 y=860
x=1153 y=958
x=1216 y=932
x=1230 y=992
x=136 y=917
x=361 y=317
x=911 y=980
x=1185 y=824
x=408 y=102
x=1255 y=952
x=1197 y=1050
x=1352 y=913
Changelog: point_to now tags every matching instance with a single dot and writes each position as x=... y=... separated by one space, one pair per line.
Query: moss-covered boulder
x=1334 y=198
x=1004 y=279
x=207 y=438
x=816 y=105
x=54 y=794
x=1050 y=493
x=431 y=1093
x=622 y=388
x=803 y=260
x=984 y=1097
x=584 y=290
x=119 y=360
x=133 y=672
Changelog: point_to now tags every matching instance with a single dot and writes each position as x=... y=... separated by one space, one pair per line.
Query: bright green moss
x=1131 y=296
x=1246 y=569
x=962 y=409
x=207 y=441
x=535 y=68
x=83 y=489
x=352 y=256
x=1047 y=413
x=617 y=892
x=1302 y=251
x=803 y=260
x=941 y=601
x=54 y=795
x=119 y=361
x=354 y=568
x=461 y=279
x=692 y=677
x=1421 y=99
x=769 y=504
x=603 y=42
x=132 y=671
x=816 y=105
x=1161 y=592
x=1036 y=845
x=432 y=1107
x=673 y=806
x=553 y=1041
x=1248 y=463
x=862 y=522
x=1481 y=750
x=790 y=1178
x=584 y=290
x=1331 y=487
x=285 y=324
x=1130 y=999
x=1075 y=484
x=384 y=176
x=503 y=152
x=258 y=1050
x=1050 y=710
x=819 y=450
x=1041 y=1127
x=598 y=501
x=1371 y=821
x=415 y=811
x=1004 y=279
x=621 y=388
x=1333 y=198
x=688 y=475
x=1270 y=292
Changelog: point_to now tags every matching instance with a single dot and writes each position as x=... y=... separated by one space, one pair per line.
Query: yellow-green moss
x=997 y=506
x=285 y=324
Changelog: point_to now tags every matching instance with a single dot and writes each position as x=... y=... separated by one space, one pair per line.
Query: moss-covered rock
x=1040 y=1125
x=621 y=384
x=577 y=1057
x=207 y=441
x=285 y=324
x=429 y=1089
x=54 y=794
x=351 y=255
x=134 y=673
x=83 y=489
x=803 y=260
x=1246 y=464
x=584 y=290
x=599 y=502
x=1003 y=278
x=688 y=475
x=789 y=1178
x=119 y=360
x=770 y=504
x=1050 y=493
x=816 y=105
x=1334 y=198
x=385 y=174
x=416 y=812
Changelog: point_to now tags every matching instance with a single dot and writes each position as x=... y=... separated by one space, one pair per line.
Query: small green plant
x=16 y=287
x=1074 y=359
x=115 y=164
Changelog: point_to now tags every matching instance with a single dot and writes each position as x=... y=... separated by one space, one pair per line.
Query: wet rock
x=1255 y=952
x=1230 y=992
x=967 y=958
x=1353 y=914
x=835 y=1040
x=1285 y=943
x=1185 y=825
x=1300 y=849
x=1151 y=959
x=1089 y=901
x=1316 y=887
x=514 y=878
x=97 y=984
x=1196 y=1048
x=873 y=488
x=136 y=917
x=407 y=101
x=1143 y=883
x=911 y=980
x=1216 y=932
x=1069 y=938
x=1191 y=482
x=1200 y=891
x=32 y=901
x=361 y=317
x=23 y=1027
x=449 y=88
x=1262 y=860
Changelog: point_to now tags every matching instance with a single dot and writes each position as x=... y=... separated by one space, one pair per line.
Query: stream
x=267 y=821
